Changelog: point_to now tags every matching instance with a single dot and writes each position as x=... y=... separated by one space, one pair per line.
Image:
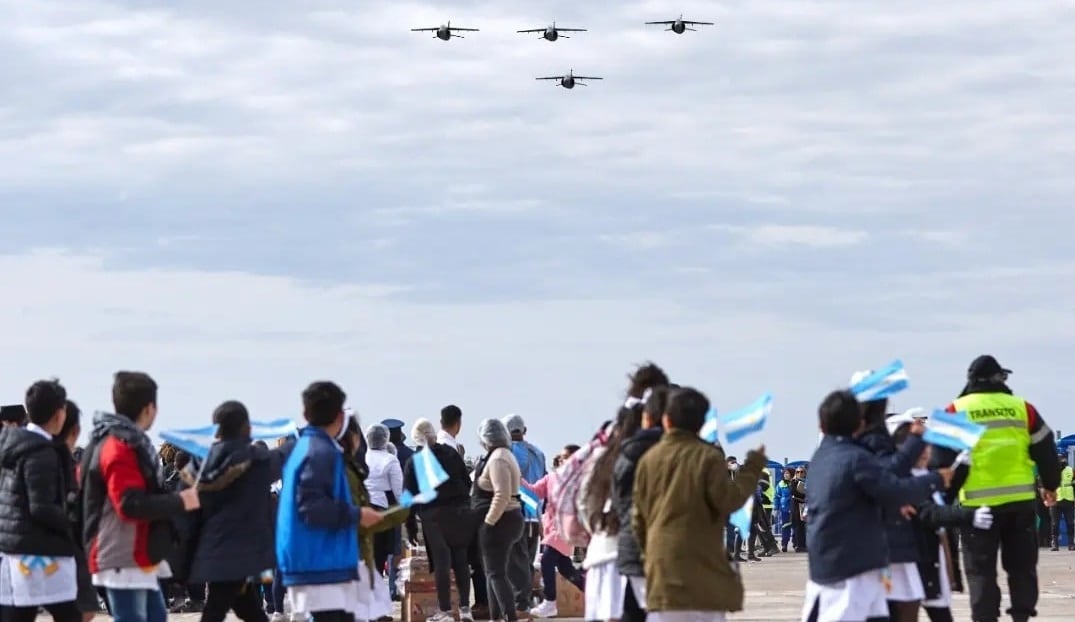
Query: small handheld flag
x=880 y=384
x=530 y=501
x=429 y=474
x=952 y=430
x=741 y=518
x=708 y=433
x=747 y=421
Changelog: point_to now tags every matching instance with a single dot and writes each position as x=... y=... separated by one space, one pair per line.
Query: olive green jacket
x=683 y=497
x=360 y=496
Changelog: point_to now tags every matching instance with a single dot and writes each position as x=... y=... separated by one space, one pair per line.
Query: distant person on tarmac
x=1001 y=477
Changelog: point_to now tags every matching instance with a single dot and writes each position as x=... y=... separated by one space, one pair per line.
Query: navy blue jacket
x=233 y=531
x=848 y=487
x=316 y=534
x=901 y=534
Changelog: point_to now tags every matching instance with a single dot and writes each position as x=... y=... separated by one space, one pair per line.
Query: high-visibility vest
x=770 y=491
x=1001 y=470
x=1066 y=492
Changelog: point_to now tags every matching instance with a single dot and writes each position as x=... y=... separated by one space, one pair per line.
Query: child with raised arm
x=848 y=488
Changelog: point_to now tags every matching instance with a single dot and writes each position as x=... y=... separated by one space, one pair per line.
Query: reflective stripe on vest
x=1001 y=469
x=1065 y=493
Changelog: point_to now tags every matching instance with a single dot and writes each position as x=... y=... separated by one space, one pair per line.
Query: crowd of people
x=315 y=527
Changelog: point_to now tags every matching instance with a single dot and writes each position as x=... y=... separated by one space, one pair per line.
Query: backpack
x=567 y=487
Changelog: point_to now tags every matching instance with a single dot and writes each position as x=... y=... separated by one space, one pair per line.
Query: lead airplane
x=444 y=31
x=679 y=26
x=570 y=81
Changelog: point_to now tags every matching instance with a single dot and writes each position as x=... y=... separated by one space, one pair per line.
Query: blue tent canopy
x=798 y=463
x=1066 y=442
x=774 y=465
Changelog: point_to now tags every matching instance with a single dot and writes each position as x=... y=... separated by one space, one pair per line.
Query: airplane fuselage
x=679 y=27
x=568 y=82
x=551 y=34
x=444 y=33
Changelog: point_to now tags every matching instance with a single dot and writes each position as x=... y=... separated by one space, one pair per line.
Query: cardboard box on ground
x=420 y=591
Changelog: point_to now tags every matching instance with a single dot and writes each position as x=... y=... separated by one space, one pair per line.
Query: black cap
x=985 y=366
x=393 y=424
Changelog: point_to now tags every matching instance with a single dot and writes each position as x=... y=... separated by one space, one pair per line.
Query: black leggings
x=60 y=612
x=445 y=531
x=632 y=611
x=497 y=542
x=336 y=615
x=939 y=614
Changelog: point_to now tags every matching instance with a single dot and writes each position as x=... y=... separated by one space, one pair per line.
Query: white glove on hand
x=983 y=518
x=962 y=458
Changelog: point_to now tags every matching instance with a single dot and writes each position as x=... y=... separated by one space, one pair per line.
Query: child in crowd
x=848 y=488
x=556 y=554
x=316 y=526
x=682 y=489
x=931 y=518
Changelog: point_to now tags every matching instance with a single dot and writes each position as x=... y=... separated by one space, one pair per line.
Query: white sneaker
x=547 y=609
x=441 y=616
x=465 y=615
x=277 y=617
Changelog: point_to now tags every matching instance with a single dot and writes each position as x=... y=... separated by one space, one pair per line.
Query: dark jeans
x=762 y=528
x=242 y=597
x=497 y=542
x=337 y=615
x=553 y=561
x=521 y=567
x=1067 y=510
x=60 y=612
x=137 y=605
x=447 y=531
x=798 y=527
x=477 y=571
x=1014 y=534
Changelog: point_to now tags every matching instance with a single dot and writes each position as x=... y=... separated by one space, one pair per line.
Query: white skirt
x=945 y=599
x=686 y=616
x=604 y=592
x=34 y=580
x=308 y=599
x=857 y=599
x=906 y=583
x=372 y=601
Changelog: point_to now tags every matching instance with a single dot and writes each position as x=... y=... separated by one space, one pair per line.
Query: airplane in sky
x=679 y=26
x=445 y=31
x=570 y=80
x=552 y=32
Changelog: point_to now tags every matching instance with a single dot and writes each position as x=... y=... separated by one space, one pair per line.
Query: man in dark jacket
x=231 y=545
x=127 y=514
x=35 y=534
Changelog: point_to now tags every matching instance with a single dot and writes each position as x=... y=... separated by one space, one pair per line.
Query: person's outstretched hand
x=190 y=499
x=918 y=427
x=370 y=517
x=1049 y=497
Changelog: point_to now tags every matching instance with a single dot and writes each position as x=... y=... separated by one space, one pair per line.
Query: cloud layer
x=289 y=192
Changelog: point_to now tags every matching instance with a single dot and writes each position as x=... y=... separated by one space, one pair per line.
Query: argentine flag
x=741 y=518
x=429 y=474
x=531 y=503
x=708 y=433
x=197 y=441
x=952 y=430
x=747 y=421
x=869 y=386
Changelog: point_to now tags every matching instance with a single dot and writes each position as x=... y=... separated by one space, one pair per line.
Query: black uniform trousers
x=1014 y=536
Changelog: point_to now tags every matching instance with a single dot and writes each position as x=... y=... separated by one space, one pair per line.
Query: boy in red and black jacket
x=127 y=515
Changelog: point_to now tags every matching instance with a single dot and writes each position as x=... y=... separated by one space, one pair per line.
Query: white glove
x=983 y=518
x=962 y=458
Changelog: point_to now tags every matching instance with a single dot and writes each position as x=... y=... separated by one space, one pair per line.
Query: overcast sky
x=241 y=197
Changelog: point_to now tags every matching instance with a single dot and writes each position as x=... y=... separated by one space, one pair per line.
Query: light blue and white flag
x=881 y=384
x=952 y=430
x=708 y=433
x=197 y=441
x=747 y=421
x=530 y=501
x=741 y=518
x=429 y=474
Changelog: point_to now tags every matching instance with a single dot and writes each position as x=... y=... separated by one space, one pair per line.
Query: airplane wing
x=700 y=23
x=571 y=29
x=421 y=29
x=551 y=78
x=465 y=29
x=535 y=30
x=662 y=23
x=586 y=78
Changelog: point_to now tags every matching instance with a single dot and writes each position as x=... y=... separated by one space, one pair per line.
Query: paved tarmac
x=775 y=588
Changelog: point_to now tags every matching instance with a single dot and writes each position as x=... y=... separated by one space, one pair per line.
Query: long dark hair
x=599 y=488
x=646 y=376
x=357 y=455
